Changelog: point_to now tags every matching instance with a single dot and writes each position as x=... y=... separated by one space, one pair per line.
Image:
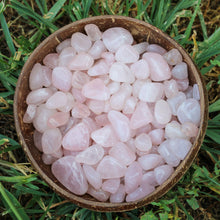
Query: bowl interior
x=141 y=32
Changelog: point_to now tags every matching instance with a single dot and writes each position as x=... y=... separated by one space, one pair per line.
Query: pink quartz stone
x=63 y=44
x=149 y=178
x=149 y=161
x=120 y=72
x=151 y=92
x=36 y=77
x=159 y=69
x=155 y=48
x=93 y=32
x=80 y=110
x=189 y=129
x=96 y=89
x=167 y=154
x=162 y=173
x=37 y=136
x=108 y=57
x=196 y=94
x=58 y=119
x=70 y=174
x=113 y=87
x=102 y=120
x=176 y=101
x=97 y=49
x=61 y=78
x=173 y=130
x=183 y=84
x=90 y=124
x=58 y=153
x=143 y=142
x=77 y=138
x=140 y=69
x=126 y=54
x=115 y=168
x=96 y=106
x=79 y=79
x=48 y=159
x=180 y=71
x=137 y=86
x=141 y=116
x=173 y=57
x=57 y=100
x=189 y=111
x=157 y=136
x=91 y=155
x=70 y=153
x=71 y=122
x=104 y=78
x=38 y=96
x=105 y=136
x=69 y=104
x=78 y=96
x=129 y=105
x=133 y=177
x=80 y=42
x=47 y=76
x=122 y=153
x=111 y=185
x=119 y=196
x=29 y=114
x=114 y=37
x=99 y=68
x=51 y=60
x=157 y=125
x=41 y=118
x=170 y=88
x=66 y=56
x=92 y=176
x=99 y=194
x=145 y=129
x=162 y=112
x=82 y=61
x=141 y=47
x=140 y=193
x=120 y=124
x=189 y=92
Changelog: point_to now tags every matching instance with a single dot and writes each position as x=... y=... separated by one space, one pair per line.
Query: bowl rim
x=179 y=171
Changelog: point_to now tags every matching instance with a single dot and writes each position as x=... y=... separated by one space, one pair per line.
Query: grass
x=24 y=24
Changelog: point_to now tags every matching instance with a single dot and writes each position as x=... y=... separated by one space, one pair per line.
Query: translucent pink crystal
x=69 y=103
x=159 y=69
x=162 y=173
x=90 y=124
x=80 y=42
x=96 y=89
x=58 y=119
x=108 y=57
x=189 y=129
x=48 y=159
x=47 y=76
x=196 y=94
x=141 y=47
x=51 y=140
x=37 y=136
x=99 y=68
x=180 y=71
x=113 y=166
x=77 y=138
x=119 y=195
x=78 y=96
x=29 y=114
x=157 y=136
x=51 y=60
x=143 y=142
x=97 y=49
x=183 y=84
x=173 y=130
x=93 y=32
x=66 y=56
x=36 y=77
x=155 y=48
x=129 y=105
x=57 y=100
x=79 y=79
x=120 y=124
x=99 y=194
x=63 y=44
x=38 y=96
x=102 y=120
x=145 y=129
x=189 y=92
x=173 y=57
x=113 y=87
x=61 y=78
x=140 y=69
x=80 y=110
x=114 y=37
x=149 y=161
x=170 y=88
x=71 y=122
x=137 y=86
x=111 y=185
x=149 y=178
x=73 y=179
x=162 y=112
x=96 y=106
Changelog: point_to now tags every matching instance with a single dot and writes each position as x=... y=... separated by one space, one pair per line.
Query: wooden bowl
x=141 y=32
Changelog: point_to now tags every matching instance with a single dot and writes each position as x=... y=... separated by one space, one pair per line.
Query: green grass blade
x=40 y=6
x=214 y=134
x=203 y=26
x=215 y=106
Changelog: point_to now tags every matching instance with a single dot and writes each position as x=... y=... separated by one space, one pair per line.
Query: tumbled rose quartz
x=180 y=71
x=91 y=155
x=141 y=47
x=174 y=130
x=93 y=32
x=149 y=161
x=141 y=116
x=70 y=153
x=189 y=129
x=38 y=96
x=140 y=69
x=58 y=153
x=66 y=56
x=120 y=72
x=29 y=114
x=151 y=92
x=99 y=68
x=80 y=110
x=183 y=84
x=61 y=78
x=51 y=140
x=143 y=142
x=48 y=159
x=96 y=89
x=149 y=178
x=133 y=177
x=69 y=103
x=47 y=76
x=108 y=57
x=113 y=87
x=71 y=122
x=114 y=37
x=173 y=57
x=155 y=48
x=90 y=123
x=97 y=49
x=63 y=44
x=36 y=77
x=78 y=96
x=82 y=61
x=73 y=179
x=58 y=119
x=77 y=138
x=145 y=129
x=189 y=92
x=111 y=185
x=102 y=120
x=189 y=111
x=159 y=69
x=137 y=86
x=92 y=176
x=162 y=173
x=110 y=168
x=79 y=79
x=96 y=106
x=129 y=105
x=119 y=196
x=157 y=136
x=170 y=88
x=196 y=94
x=99 y=194
x=122 y=153
x=51 y=60
x=37 y=136
x=80 y=42
x=120 y=124
x=57 y=100
x=126 y=54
